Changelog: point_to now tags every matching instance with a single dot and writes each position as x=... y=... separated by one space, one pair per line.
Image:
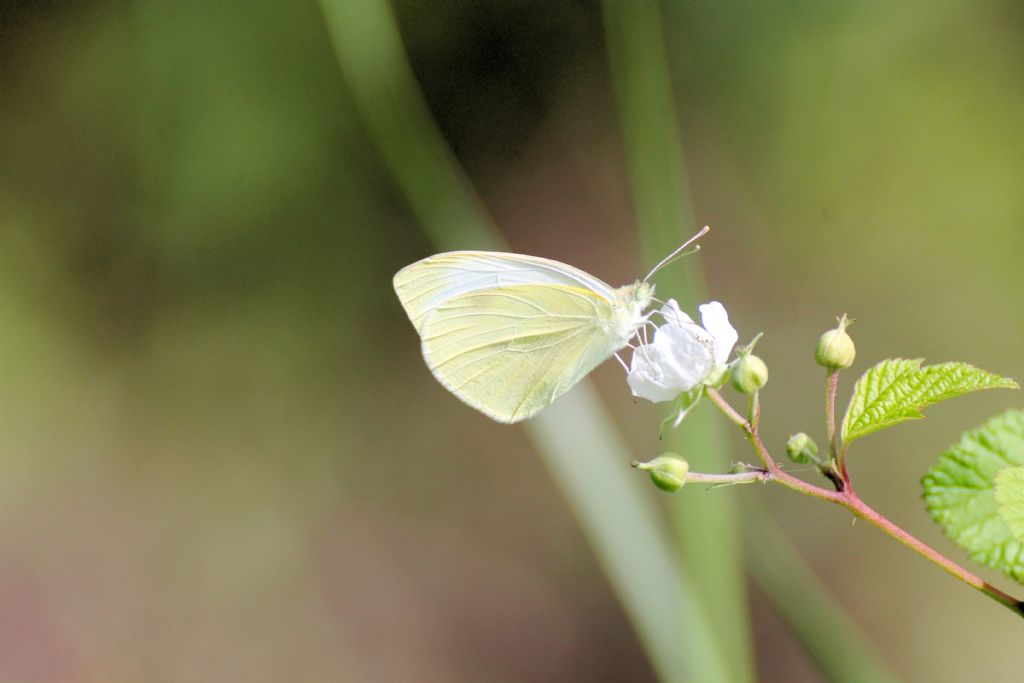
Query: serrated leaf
x=1009 y=491
x=960 y=493
x=897 y=389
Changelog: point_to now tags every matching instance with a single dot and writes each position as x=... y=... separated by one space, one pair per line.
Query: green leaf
x=897 y=389
x=961 y=495
x=1010 y=496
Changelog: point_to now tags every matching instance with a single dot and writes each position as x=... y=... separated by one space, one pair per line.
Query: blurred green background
x=222 y=456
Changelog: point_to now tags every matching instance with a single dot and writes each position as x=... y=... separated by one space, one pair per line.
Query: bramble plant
x=975 y=491
x=508 y=334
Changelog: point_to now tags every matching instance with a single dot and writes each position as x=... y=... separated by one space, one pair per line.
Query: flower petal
x=716 y=322
x=684 y=354
x=645 y=377
x=673 y=315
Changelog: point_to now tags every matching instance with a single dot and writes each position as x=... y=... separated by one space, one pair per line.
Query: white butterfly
x=508 y=333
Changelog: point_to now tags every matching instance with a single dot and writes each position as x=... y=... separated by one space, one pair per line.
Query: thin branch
x=848 y=499
x=726 y=409
x=869 y=514
x=773 y=468
x=836 y=473
x=831 y=383
x=727 y=479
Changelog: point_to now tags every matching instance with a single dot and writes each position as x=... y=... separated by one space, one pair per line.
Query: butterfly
x=510 y=333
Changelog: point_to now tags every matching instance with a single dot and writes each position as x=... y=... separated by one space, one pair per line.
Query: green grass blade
x=575 y=437
x=369 y=49
x=709 y=538
x=583 y=449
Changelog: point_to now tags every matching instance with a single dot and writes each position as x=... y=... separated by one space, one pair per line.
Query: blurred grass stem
x=575 y=436
x=709 y=540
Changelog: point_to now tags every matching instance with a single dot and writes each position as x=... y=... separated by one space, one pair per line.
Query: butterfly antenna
x=679 y=252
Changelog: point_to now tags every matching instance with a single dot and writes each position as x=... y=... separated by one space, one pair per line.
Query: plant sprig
x=976 y=491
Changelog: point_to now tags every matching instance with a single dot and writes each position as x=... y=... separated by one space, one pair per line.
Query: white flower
x=683 y=354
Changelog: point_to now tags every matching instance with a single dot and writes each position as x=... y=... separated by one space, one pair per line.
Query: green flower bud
x=835 y=348
x=749 y=374
x=801 y=449
x=668 y=471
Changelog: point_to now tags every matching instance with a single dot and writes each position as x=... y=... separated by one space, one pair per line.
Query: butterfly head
x=641 y=294
x=628 y=309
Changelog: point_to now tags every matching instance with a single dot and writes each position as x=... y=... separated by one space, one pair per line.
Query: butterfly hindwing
x=510 y=351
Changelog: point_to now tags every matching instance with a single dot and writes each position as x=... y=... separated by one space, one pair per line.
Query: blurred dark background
x=222 y=456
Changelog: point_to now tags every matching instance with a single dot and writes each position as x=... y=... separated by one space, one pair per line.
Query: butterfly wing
x=510 y=351
x=426 y=284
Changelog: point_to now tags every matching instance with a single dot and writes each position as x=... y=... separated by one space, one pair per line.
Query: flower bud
x=835 y=348
x=668 y=471
x=749 y=374
x=801 y=449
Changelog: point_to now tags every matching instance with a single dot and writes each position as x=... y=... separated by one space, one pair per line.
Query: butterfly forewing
x=426 y=284
x=510 y=351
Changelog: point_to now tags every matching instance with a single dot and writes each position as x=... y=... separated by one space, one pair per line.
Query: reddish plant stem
x=837 y=455
x=831 y=383
x=772 y=467
x=848 y=499
x=870 y=515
